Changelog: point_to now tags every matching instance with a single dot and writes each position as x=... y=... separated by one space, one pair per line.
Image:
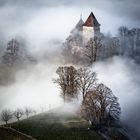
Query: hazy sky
x=56 y=18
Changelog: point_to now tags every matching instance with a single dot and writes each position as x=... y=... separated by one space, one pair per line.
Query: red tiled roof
x=91 y=21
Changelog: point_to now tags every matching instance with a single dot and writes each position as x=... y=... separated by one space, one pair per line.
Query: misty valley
x=67 y=78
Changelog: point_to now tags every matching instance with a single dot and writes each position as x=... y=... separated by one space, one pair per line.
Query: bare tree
x=28 y=111
x=34 y=112
x=86 y=80
x=100 y=106
x=110 y=47
x=11 y=55
x=92 y=49
x=6 y=115
x=17 y=53
x=67 y=81
x=18 y=113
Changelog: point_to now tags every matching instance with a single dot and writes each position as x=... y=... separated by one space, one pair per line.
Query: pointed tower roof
x=78 y=26
x=91 y=21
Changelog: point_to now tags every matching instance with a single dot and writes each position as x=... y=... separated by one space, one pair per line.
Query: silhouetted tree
x=18 y=113
x=11 y=55
x=86 y=80
x=92 y=49
x=16 y=53
x=28 y=111
x=6 y=115
x=67 y=81
x=100 y=106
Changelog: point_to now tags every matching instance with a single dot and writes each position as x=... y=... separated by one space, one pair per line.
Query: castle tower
x=91 y=28
x=76 y=34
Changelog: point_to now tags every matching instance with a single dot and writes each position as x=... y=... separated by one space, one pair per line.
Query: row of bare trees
x=99 y=105
x=6 y=114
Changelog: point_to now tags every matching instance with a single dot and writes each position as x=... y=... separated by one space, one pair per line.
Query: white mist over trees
x=130 y=42
x=16 y=53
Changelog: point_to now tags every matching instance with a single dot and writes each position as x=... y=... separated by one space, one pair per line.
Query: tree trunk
x=83 y=94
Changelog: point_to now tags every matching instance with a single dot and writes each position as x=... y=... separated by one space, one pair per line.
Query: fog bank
x=122 y=76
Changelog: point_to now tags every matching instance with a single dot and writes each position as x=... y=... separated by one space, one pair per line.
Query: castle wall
x=88 y=33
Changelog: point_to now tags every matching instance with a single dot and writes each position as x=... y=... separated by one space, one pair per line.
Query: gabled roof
x=78 y=26
x=91 y=21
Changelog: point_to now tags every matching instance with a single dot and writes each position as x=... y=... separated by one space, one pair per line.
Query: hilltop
x=63 y=125
x=56 y=126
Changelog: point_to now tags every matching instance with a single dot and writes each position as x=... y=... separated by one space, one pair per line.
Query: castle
x=87 y=43
x=84 y=31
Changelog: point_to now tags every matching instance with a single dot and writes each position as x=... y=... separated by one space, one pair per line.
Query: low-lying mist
x=122 y=75
x=33 y=87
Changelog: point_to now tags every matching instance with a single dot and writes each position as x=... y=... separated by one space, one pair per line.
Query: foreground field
x=11 y=134
x=56 y=126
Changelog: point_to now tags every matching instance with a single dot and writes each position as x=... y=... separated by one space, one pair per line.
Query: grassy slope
x=52 y=126
x=10 y=134
x=4 y=135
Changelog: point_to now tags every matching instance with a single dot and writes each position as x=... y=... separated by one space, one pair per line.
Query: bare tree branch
x=100 y=106
x=86 y=80
x=6 y=115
